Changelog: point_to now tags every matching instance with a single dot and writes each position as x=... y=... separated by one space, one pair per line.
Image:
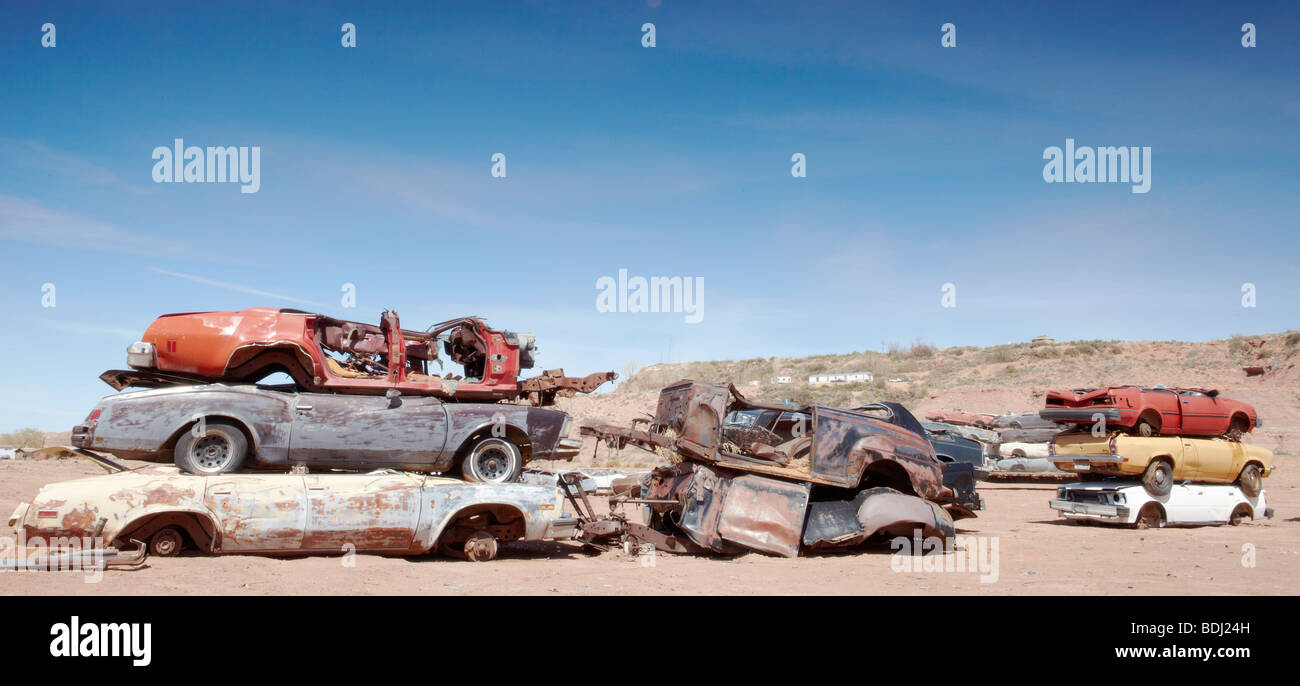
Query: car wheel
x=481 y=546
x=1145 y=428
x=1241 y=515
x=1238 y=430
x=166 y=542
x=220 y=448
x=493 y=461
x=1251 y=480
x=1158 y=478
x=1151 y=516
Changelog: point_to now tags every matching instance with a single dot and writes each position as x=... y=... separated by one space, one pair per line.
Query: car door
x=1201 y=414
x=1220 y=461
x=338 y=430
x=376 y=511
x=1189 y=467
x=258 y=512
x=1167 y=405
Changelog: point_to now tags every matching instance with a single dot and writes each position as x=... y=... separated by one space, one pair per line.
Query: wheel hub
x=211 y=452
x=493 y=466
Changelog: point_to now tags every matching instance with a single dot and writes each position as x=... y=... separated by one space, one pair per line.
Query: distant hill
x=1000 y=378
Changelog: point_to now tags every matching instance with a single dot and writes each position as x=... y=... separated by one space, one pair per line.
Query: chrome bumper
x=1083 y=463
x=20 y=513
x=566 y=449
x=562 y=528
x=1071 y=508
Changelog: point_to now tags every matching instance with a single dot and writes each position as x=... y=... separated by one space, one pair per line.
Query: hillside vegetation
x=1001 y=378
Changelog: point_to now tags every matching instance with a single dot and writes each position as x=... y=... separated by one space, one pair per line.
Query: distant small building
x=780 y=379
x=848 y=377
x=754 y=382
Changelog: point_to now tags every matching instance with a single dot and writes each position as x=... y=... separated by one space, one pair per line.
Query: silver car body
x=320 y=430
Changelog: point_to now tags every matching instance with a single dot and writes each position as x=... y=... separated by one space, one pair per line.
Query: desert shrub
x=999 y=354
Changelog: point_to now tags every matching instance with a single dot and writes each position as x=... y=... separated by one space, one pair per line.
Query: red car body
x=1150 y=411
x=325 y=354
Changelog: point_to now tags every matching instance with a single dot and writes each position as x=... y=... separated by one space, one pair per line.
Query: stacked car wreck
x=1178 y=457
x=362 y=398
x=780 y=479
x=203 y=413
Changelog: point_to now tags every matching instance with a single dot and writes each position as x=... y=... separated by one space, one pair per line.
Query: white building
x=849 y=377
x=780 y=379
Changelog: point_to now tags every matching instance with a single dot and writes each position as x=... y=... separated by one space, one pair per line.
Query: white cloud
x=29 y=222
x=237 y=287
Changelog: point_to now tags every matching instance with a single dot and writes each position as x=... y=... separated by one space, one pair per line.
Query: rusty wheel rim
x=166 y=543
x=1161 y=478
x=493 y=464
x=211 y=453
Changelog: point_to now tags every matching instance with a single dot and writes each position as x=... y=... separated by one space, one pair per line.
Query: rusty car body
x=780 y=479
x=322 y=353
x=981 y=420
x=380 y=511
x=217 y=428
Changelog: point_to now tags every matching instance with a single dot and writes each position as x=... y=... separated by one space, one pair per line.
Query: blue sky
x=924 y=167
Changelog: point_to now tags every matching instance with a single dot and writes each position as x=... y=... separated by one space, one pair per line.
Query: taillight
x=1111 y=445
x=94 y=414
x=1051 y=447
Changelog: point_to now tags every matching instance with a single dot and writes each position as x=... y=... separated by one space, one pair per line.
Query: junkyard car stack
x=780 y=479
x=361 y=397
x=1183 y=480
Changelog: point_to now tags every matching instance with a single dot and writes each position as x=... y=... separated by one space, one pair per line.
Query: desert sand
x=1037 y=553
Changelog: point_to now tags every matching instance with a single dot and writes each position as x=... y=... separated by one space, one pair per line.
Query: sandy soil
x=1037 y=553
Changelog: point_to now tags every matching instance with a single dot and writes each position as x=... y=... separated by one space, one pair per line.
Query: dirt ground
x=1036 y=553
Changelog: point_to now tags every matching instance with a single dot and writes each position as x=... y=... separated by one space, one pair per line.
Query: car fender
x=144 y=422
x=212 y=532
x=447 y=498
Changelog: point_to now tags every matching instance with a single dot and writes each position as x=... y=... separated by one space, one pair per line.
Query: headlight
x=141 y=354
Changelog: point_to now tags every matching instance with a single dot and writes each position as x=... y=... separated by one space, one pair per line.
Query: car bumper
x=82 y=436
x=20 y=513
x=566 y=449
x=1080 y=415
x=562 y=528
x=1086 y=463
x=1078 y=510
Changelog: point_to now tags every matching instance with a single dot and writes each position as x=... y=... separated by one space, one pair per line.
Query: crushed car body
x=322 y=353
x=218 y=428
x=383 y=511
x=779 y=479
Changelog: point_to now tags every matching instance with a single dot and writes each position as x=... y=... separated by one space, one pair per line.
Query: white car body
x=1188 y=504
x=251 y=512
x=1022 y=450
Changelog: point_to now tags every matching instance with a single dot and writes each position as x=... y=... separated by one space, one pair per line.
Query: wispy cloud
x=82 y=329
x=29 y=222
x=237 y=287
x=37 y=156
